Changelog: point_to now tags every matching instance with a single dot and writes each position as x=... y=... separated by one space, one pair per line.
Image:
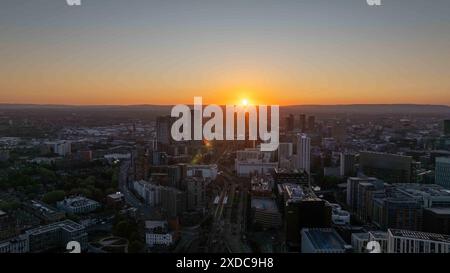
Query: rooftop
x=324 y=238
x=420 y=235
x=264 y=204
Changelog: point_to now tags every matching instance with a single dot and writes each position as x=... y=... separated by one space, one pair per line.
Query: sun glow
x=245 y=102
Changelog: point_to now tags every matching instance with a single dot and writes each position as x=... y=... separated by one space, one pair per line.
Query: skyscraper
x=442 y=172
x=311 y=123
x=304 y=152
x=302 y=122
x=163 y=127
x=347 y=164
x=447 y=127
x=289 y=123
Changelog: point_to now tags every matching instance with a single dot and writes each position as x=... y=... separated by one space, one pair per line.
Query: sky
x=286 y=52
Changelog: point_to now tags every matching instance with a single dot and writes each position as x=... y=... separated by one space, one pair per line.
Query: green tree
x=54 y=196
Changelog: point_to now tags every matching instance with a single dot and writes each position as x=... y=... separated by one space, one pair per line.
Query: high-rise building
x=302 y=122
x=352 y=190
x=347 y=164
x=196 y=192
x=311 y=123
x=302 y=209
x=285 y=152
x=163 y=128
x=442 y=172
x=264 y=211
x=391 y=168
x=173 y=202
x=289 y=123
x=304 y=153
x=447 y=127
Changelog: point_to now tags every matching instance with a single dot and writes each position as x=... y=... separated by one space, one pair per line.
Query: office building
x=56 y=236
x=254 y=161
x=289 y=123
x=262 y=186
x=45 y=213
x=115 y=200
x=303 y=153
x=19 y=244
x=171 y=200
x=406 y=241
x=302 y=122
x=442 y=172
x=447 y=127
x=323 y=240
x=163 y=130
x=360 y=239
x=264 y=211
x=285 y=155
x=61 y=147
x=157 y=234
x=302 y=209
x=292 y=176
x=359 y=242
x=352 y=190
x=390 y=168
x=196 y=192
x=339 y=216
x=311 y=123
x=347 y=166
x=436 y=220
x=77 y=205
x=204 y=171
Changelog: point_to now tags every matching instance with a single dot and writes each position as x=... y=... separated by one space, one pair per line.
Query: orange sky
x=290 y=53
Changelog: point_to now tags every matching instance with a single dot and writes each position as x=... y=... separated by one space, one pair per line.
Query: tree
x=135 y=247
x=54 y=196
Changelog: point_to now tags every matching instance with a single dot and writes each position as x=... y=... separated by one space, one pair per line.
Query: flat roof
x=264 y=204
x=419 y=235
x=361 y=235
x=443 y=211
x=324 y=238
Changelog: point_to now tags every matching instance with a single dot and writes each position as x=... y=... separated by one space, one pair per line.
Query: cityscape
x=353 y=156
x=119 y=183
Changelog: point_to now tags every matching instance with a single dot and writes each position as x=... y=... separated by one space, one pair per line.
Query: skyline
x=268 y=52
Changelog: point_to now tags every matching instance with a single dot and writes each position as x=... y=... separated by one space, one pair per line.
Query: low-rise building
x=157 y=234
x=56 y=236
x=77 y=205
x=254 y=161
x=19 y=244
x=205 y=171
x=406 y=241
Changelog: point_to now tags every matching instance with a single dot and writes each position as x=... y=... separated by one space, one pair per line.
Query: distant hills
x=338 y=109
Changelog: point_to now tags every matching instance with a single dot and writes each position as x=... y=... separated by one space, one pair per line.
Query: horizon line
x=167 y=105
